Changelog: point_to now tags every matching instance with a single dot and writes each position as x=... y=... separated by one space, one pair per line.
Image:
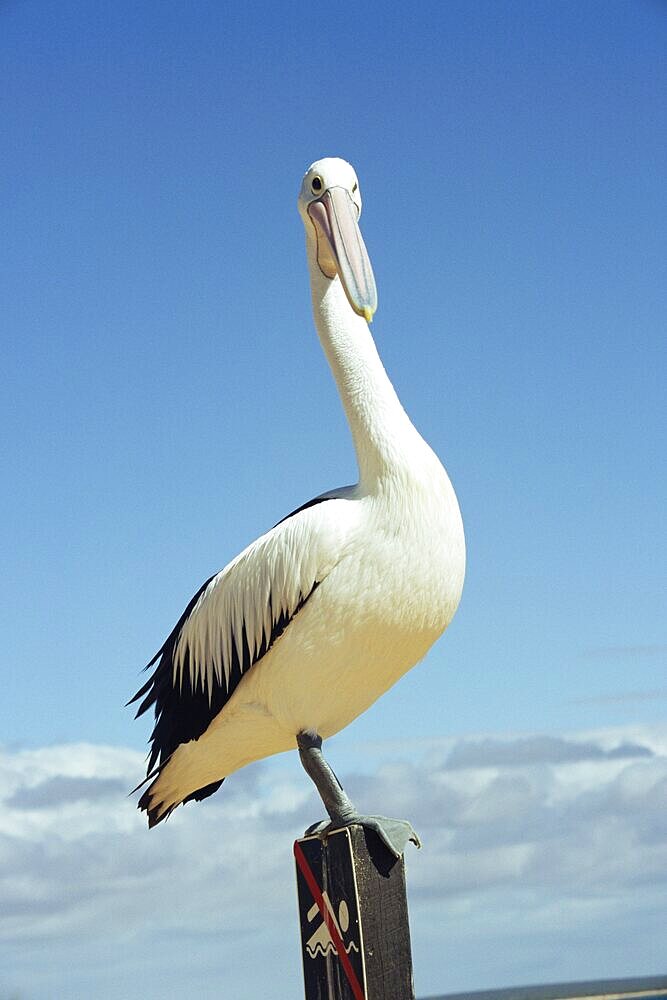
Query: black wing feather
x=184 y=712
x=304 y=506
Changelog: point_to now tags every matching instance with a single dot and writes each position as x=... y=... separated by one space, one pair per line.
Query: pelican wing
x=235 y=618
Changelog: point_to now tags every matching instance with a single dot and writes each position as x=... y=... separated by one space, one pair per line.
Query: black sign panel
x=332 y=947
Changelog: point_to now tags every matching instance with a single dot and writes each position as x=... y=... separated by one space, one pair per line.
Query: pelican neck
x=384 y=438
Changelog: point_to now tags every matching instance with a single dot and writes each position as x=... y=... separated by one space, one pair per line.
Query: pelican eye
x=355 y=188
x=316 y=185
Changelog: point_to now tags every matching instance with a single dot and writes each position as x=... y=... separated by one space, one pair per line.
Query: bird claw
x=394 y=833
x=320 y=829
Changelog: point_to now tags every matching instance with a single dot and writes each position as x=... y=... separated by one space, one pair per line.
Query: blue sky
x=165 y=399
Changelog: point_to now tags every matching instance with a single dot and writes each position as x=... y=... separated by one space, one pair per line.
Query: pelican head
x=330 y=206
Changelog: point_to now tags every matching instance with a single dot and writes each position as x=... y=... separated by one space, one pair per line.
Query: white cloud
x=529 y=750
x=563 y=834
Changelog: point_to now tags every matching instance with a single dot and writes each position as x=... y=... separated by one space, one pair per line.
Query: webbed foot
x=394 y=833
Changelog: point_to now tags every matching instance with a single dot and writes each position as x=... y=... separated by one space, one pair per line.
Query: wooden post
x=355 y=938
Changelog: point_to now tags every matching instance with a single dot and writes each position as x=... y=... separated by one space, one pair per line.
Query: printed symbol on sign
x=320 y=942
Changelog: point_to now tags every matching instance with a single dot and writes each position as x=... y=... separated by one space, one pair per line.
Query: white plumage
x=312 y=622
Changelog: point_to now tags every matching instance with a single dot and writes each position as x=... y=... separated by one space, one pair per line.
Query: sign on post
x=355 y=938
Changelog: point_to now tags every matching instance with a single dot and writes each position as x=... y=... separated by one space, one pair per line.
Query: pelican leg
x=394 y=833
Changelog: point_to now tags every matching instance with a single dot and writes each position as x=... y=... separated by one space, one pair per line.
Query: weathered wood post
x=355 y=938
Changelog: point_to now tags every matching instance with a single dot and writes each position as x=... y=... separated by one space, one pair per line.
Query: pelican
x=312 y=622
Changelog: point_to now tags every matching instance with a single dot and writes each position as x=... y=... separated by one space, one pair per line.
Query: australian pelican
x=311 y=623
